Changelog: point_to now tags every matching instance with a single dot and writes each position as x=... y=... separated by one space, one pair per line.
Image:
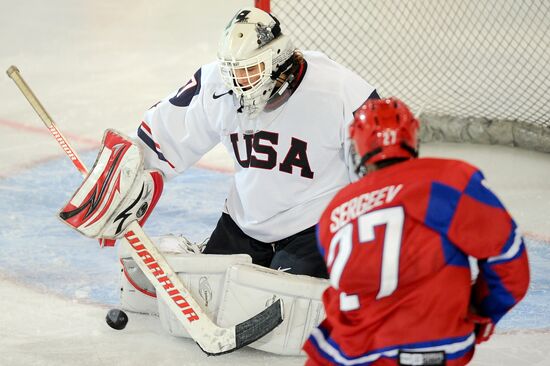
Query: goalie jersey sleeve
x=396 y=245
x=176 y=132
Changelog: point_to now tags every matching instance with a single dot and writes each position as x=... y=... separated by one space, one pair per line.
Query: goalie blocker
x=229 y=288
x=116 y=192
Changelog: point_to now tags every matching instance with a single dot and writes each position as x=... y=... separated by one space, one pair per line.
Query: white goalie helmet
x=251 y=54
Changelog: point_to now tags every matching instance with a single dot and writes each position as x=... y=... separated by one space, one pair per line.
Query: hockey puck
x=116 y=319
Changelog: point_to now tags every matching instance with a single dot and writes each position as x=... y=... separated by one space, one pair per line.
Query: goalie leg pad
x=250 y=288
x=137 y=293
x=204 y=277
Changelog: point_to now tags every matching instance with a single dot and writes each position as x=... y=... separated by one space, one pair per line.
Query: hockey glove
x=483 y=326
x=116 y=192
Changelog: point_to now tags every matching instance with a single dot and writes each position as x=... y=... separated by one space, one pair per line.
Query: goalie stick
x=211 y=338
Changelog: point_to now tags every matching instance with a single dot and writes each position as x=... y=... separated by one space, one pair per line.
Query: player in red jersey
x=396 y=244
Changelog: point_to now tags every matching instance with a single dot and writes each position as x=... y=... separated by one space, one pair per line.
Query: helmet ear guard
x=384 y=130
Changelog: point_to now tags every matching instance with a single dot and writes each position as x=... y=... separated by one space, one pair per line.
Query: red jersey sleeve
x=474 y=220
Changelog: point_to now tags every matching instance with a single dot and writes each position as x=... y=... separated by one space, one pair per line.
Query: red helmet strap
x=378 y=150
x=410 y=149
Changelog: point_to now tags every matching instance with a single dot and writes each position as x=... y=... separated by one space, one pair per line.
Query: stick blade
x=259 y=325
x=255 y=328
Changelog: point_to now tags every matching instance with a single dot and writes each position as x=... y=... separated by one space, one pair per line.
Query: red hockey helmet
x=384 y=129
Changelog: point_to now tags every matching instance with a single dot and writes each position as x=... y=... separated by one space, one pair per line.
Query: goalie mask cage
x=472 y=70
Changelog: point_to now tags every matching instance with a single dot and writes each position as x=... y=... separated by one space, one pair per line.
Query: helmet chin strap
x=364 y=159
x=361 y=166
x=240 y=110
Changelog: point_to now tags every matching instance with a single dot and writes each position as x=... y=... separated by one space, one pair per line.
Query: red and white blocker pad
x=116 y=192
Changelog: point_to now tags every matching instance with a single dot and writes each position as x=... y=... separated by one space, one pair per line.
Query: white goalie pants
x=230 y=289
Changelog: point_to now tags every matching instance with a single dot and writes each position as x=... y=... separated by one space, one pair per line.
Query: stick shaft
x=15 y=75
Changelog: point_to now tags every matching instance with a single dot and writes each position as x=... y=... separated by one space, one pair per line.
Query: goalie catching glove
x=116 y=192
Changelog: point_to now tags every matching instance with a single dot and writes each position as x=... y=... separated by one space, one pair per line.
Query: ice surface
x=57 y=285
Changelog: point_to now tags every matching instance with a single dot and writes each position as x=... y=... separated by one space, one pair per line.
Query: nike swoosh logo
x=221 y=95
x=283 y=269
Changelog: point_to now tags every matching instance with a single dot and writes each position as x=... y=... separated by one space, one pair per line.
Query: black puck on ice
x=116 y=319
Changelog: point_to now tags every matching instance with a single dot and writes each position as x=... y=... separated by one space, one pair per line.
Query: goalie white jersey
x=288 y=170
